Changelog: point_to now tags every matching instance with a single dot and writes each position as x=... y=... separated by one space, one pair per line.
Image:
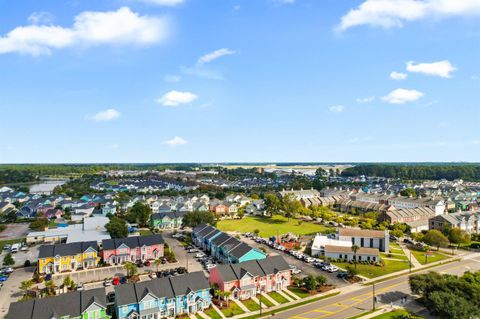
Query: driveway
x=10 y=291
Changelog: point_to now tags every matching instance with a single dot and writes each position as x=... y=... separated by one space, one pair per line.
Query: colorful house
x=163 y=297
x=223 y=246
x=67 y=257
x=167 y=220
x=133 y=249
x=74 y=305
x=247 y=279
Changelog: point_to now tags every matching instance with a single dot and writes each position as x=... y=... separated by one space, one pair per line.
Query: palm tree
x=157 y=263
x=26 y=285
x=355 y=248
x=131 y=268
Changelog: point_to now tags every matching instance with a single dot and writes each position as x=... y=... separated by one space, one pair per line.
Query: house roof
x=220 y=239
x=133 y=242
x=240 y=250
x=268 y=266
x=65 y=249
x=70 y=304
x=355 y=232
x=193 y=281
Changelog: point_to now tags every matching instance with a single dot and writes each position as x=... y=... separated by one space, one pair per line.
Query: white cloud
x=363 y=100
x=336 y=108
x=209 y=57
x=175 y=98
x=177 y=140
x=402 y=96
x=398 y=76
x=41 y=17
x=166 y=3
x=172 y=78
x=394 y=13
x=476 y=142
x=90 y=28
x=440 y=68
x=106 y=115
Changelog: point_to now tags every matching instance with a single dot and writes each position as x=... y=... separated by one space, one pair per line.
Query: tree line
x=416 y=172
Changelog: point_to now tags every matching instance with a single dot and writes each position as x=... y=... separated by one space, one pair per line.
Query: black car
x=123 y=280
x=111 y=297
x=139 y=264
x=181 y=270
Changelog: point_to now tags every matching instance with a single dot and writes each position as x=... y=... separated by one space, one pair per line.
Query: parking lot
x=15 y=231
x=20 y=257
x=306 y=268
x=10 y=291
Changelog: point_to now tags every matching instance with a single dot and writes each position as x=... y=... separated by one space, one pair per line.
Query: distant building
x=467 y=221
x=346 y=253
x=379 y=239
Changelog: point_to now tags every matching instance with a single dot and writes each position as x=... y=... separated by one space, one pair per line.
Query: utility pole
x=410 y=261
x=374 y=296
x=260 y=302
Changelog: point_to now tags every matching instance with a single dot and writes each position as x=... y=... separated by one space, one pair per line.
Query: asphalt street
x=359 y=301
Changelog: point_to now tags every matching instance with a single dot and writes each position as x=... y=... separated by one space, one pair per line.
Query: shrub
x=27 y=263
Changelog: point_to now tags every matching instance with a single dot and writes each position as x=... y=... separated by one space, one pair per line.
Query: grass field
x=396 y=314
x=435 y=256
x=277 y=297
x=299 y=292
x=145 y=232
x=232 y=310
x=251 y=305
x=271 y=226
x=265 y=301
x=370 y=271
x=212 y=313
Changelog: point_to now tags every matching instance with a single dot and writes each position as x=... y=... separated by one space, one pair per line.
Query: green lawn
x=251 y=305
x=212 y=313
x=370 y=271
x=393 y=254
x=396 y=314
x=198 y=316
x=145 y=232
x=299 y=292
x=435 y=256
x=265 y=301
x=232 y=310
x=277 y=297
x=271 y=226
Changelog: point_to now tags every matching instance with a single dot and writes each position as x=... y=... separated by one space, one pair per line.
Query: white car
x=309 y=260
x=296 y=271
x=200 y=255
x=211 y=266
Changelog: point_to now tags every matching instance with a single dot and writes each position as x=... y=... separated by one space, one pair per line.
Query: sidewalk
x=410 y=256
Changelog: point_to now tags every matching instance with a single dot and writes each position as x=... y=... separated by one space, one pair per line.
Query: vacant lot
x=433 y=256
x=272 y=226
x=371 y=271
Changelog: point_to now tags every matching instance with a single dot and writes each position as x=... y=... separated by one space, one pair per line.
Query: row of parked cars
x=207 y=262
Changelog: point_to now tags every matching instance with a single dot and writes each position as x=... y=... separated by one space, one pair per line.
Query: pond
x=46 y=187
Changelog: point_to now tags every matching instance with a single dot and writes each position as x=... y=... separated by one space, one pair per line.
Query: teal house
x=167 y=220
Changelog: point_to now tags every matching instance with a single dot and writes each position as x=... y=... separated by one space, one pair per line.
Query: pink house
x=247 y=279
x=133 y=249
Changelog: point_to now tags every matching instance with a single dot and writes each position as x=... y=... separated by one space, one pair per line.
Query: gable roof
x=66 y=249
x=71 y=304
x=268 y=266
x=133 y=242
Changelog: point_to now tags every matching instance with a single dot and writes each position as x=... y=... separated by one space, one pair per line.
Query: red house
x=133 y=249
x=247 y=279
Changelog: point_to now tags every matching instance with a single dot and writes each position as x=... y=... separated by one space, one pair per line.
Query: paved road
x=10 y=291
x=356 y=302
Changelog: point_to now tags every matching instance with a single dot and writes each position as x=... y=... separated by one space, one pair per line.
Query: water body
x=46 y=187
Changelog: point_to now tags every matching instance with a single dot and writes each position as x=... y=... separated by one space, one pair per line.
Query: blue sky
x=239 y=80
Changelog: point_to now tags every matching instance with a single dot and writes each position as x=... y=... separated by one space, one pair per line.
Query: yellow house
x=67 y=257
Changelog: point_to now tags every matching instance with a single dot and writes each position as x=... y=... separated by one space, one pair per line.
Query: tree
x=131 y=269
x=39 y=223
x=435 y=238
x=355 y=248
x=69 y=283
x=290 y=206
x=272 y=204
x=351 y=272
x=256 y=231
x=26 y=285
x=117 y=228
x=310 y=282
x=321 y=280
x=409 y=192
x=458 y=237
x=193 y=219
x=8 y=260
x=140 y=213
x=157 y=263
x=241 y=212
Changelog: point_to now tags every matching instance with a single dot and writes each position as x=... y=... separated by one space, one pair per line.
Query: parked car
x=164 y=260
x=152 y=275
x=296 y=271
x=80 y=287
x=7 y=247
x=342 y=274
x=139 y=264
x=107 y=282
x=193 y=250
x=123 y=280
x=200 y=255
x=24 y=248
x=181 y=270
x=111 y=297
x=116 y=281
x=309 y=259
x=48 y=277
x=147 y=263
x=6 y=270
x=3 y=278
x=211 y=266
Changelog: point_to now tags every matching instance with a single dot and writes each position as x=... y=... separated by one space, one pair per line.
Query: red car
x=116 y=281
x=147 y=263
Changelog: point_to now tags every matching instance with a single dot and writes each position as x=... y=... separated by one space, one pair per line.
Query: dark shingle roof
x=133 y=242
x=65 y=249
x=69 y=304
x=220 y=239
x=193 y=281
x=240 y=250
x=273 y=264
x=268 y=266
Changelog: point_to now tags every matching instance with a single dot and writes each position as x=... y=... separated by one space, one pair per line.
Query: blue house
x=223 y=246
x=163 y=297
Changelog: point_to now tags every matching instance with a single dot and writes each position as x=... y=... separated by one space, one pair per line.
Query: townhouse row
x=166 y=297
x=86 y=255
x=224 y=247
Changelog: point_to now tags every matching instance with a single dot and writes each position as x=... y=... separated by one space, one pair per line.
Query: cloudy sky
x=239 y=80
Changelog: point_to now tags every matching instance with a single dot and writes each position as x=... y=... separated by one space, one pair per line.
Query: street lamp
x=374 y=298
